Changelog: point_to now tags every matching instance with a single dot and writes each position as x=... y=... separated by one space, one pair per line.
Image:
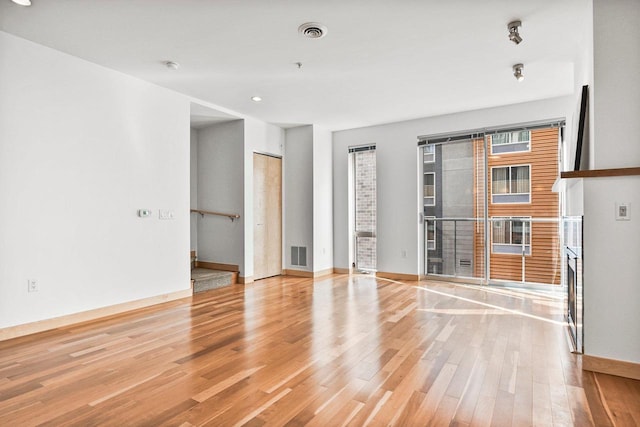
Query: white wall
x=81 y=149
x=299 y=191
x=582 y=75
x=397 y=175
x=616 y=85
x=221 y=189
x=611 y=269
x=309 y=196
x=263 y=138
x=611 y=248
x=193 y=183
x=322 y=199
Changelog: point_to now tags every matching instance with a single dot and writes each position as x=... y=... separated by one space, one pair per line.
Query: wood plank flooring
x=336 y=351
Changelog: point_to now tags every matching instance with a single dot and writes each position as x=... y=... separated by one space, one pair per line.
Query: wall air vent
x=312 y=30
x=299 y=255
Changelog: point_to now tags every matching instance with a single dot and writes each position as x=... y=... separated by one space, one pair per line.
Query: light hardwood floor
x=333 y=351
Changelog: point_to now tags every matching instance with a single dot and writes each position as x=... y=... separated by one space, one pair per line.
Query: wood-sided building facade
x=523 y=210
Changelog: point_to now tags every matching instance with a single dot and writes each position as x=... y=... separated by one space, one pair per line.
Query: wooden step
x=205 y=279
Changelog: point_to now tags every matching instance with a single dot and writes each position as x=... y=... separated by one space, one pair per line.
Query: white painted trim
x=85 y=316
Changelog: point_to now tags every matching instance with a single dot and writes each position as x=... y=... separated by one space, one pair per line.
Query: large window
x=364 y=207
x=511 y=235
x=429 y=189
x=510 y=184
x=511 y=142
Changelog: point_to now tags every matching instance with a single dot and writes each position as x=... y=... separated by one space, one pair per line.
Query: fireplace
x=574 y=295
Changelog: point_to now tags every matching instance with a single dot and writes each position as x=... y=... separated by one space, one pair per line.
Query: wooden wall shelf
x=601 y=173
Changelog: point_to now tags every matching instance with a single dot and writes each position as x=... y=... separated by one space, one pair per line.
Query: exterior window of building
x=511 y=142
x=431 y=232
x=429 y=153
x=508 y=234
x=510 y=184
x=429 y=189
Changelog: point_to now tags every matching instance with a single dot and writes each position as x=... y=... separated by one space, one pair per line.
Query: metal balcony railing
x=498 y=249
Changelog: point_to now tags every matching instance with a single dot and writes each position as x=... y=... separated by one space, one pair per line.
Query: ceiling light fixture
x=22 y=2
x=514 y=34
x=517 y=72
x=256 y=99
x=172 y=65
x=313 y=30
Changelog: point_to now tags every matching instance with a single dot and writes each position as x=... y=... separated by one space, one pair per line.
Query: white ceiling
x=381 y=61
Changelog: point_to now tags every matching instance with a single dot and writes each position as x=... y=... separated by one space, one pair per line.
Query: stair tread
x=205 y=273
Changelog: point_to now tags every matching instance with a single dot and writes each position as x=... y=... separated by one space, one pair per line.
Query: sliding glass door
x=453 y=174
x=489 y=209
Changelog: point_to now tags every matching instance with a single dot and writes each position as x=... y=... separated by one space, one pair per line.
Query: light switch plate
x=623 y=211
x=166 y=214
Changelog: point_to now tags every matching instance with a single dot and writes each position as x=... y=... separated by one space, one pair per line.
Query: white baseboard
x=84 y=316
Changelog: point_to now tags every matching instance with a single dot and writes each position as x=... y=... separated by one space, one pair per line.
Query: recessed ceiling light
x=22 y=2
x=172 y=65
x=256 y=99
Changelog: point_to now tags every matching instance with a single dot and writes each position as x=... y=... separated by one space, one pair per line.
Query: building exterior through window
x=493 y=216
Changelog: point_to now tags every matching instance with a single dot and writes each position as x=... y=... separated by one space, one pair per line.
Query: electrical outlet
x=32 y=285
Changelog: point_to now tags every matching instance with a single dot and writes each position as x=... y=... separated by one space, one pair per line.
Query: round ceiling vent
x=312 y=30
